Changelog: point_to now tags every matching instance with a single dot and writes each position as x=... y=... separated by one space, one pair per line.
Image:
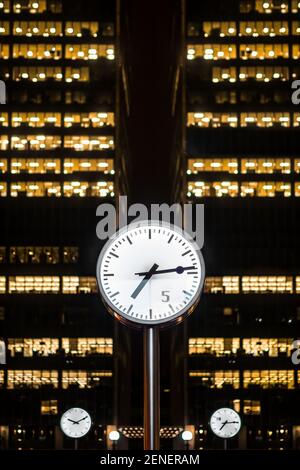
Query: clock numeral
x=165 y=296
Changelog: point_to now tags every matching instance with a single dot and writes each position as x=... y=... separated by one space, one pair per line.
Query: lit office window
x=35 y=189
x=35 y=165
x=205 y=119
x=4 y=142
x=4 y=27
x=82 y=28
x=89 y=119
x=296 y=120
x=2 y=254
x=32 y=379
x=264 y=74
x=265 y=119
x=4 y=51
x=89 y=51
x=87 y=189
x=74 y=165
x=5 y=6
x=49 y=407
x=3 y=189
x=1 y=378
x=29 y=347
x=2 y=285
x=37 y=51
x=295 y=6
x=77 y=74
x=83 y=379
x=214 y=189
x=37 y=74
x=212 y=28
x=296 y=28
x=70 y=254
x=3 y=165
x=34 y=285
x=297 y=284
x=296 y=51
x=297 y=165
x=3 y=119
x=199 y=165
x=211 y=51
x=34 y=254
x=87 y=346
x=252 y=407
x=218 y=378
x=266 y=165
x=84 y=142
x=268 y=347
x=264 y=28
x=224 y=74
x=269 y=378
x=214 y=346
x=35 y=142
x=267 y=284
x=297 y=189
x=79 y=285
x=265 y=189
x=36 y=120
x=264 y=51
x=37 y=28
x=222 y=285
x=264 y=6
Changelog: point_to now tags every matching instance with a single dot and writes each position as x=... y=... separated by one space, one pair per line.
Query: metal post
x=76 y=444
x=225 y=444
x=151 y=389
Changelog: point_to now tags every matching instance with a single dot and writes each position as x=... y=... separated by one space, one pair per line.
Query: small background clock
x=150 y=273
x=225 y=423
x=75 y=423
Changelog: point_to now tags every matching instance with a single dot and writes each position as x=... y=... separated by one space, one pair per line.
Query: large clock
x=225 y=423
x=75 y=423
x=150 y=273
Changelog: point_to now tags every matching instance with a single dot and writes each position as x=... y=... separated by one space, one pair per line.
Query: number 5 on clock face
x=150 y=273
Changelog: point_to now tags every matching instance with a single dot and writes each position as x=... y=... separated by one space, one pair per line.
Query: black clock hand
x=232 y=422
x=178 y=270
x=72 y=421
x=82 y=419
x=144 y=281
x=223 y=425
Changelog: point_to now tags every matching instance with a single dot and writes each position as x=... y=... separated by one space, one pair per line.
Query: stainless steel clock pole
x=151 y=389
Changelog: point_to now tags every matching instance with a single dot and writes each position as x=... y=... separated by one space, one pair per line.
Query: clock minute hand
x=226 y=422
x=144 y=281
x=178 y=270
x=82 y=419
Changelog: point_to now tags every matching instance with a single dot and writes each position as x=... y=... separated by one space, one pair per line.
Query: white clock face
x=150 y=274
x=225 y=423
x=75 y=422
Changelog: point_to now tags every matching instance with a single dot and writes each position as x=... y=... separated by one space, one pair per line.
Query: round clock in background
x=225 y=423
x=150 y=273
x=75 y=423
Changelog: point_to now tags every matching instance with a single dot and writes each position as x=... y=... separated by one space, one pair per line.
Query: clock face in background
x=150 y=274
x=75 y=422
x=225 y=423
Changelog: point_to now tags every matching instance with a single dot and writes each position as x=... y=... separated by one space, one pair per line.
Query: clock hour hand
x=144 y=281
x=178 y=270
x=226 y=422
x=72 y=421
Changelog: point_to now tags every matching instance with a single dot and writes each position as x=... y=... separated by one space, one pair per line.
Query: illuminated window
x=1 y=378
x=264 y=28
x=3 y=189
x=37 y=28
x=5 y=6
x=89 y=119
x=267 y=284
x=265 y=119
x=269 y=378
x=4 y=142
x=212 y=28
x=228 y=165
x=264 y=6
x=35 y=165
x=215 y=189
x=2 y=285
x=34 y=285
x=223 y=74
x=266 y=165
x=4 y=51
x=38 y=74
x=89 y=51
x=222 y=285
x=37 y=51
x=84 y=142
x=86 y=189
x=70 y=254
x=2 y=254
x=264 y=51
x=82 y=28
x=265 y=189
x=205 y=119
x=83 y=379
x=77 y=74
x=264 y=74
x=218 y=379
x=36 y=120
x=49 y=407
x=252 y=407
x=87 y=346
x=74 y=165
x=270 y=347
x=3 y=119
x=29 y=6
x=79 y=285
x=295 y=6
x=297 y=284
x=34 y=254
x=29 y=347
x=214 y=346
x=35 y=189
x=211 y=51
x=296 y=121
x=297 y=165
x=4 y=27
x=296 y=51
x=35 y=142
x=32 y=378
x=297 y=189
